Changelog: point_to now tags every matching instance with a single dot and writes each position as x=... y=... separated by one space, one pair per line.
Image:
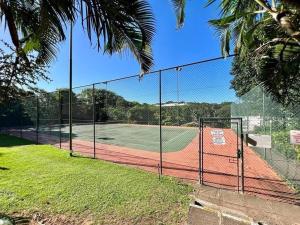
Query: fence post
x=160 y=124
x=70 y=90
x=202 y=153
x=37 y=119
x=21 y=132
x=60 y=116
x=242 y=155
x=238 y=154
x=200 y=150
x=94 y=121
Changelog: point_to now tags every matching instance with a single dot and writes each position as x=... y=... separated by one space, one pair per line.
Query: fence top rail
x=144 y=74
x=160 y=70
x=220 y=118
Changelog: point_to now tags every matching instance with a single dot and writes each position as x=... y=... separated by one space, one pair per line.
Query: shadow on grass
x=3 y=168
x=11 y=141
x=78 y=155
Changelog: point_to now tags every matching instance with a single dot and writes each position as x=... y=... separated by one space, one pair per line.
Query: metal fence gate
x=221 y=158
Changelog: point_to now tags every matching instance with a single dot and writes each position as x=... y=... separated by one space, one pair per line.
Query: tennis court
x=142 y=137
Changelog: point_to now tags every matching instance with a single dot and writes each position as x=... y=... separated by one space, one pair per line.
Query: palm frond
x=237 y=17
x=116 y=25
x=121 y=24
x=179 y=6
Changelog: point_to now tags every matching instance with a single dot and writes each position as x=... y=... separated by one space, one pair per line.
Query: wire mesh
x=153 y=122
x=63 y=101
x=221 y=140
x=264 y=116
x=29 y=120
x=82 y=120
x=188 y=93
x=127 y=119
x=48 y=118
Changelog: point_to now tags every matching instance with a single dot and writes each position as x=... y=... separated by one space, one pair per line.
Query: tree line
x=104 y=106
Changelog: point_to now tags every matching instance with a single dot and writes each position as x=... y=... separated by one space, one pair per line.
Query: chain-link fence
x=152 y=122
x=264 y=116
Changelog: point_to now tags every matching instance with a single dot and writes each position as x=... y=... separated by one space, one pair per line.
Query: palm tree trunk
x=293 y=2
x=13 y=30
x=287 y=25
x=11 y=24
x=283 y=19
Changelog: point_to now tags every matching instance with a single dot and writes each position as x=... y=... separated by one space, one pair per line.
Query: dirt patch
x=43 y=219
x=38 y=218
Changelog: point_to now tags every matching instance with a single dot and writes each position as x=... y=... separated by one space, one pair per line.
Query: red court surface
x=220 y=166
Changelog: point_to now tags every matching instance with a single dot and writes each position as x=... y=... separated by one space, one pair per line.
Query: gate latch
x=239 y=153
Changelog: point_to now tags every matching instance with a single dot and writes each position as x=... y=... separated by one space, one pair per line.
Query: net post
x=160 y=124
x=37 y=120
x=94 y=121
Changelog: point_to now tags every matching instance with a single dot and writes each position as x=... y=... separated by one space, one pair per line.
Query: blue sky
x=194 y=42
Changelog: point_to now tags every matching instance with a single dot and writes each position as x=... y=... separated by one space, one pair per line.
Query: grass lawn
x=43 y=179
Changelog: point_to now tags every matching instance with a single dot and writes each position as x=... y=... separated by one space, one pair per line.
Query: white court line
x=176 y=136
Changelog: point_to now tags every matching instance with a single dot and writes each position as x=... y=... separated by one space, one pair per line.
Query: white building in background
x=171 y=104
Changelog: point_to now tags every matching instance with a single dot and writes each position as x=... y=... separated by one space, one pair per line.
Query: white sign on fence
x=219 y=141
x=218 y=137
x=217 y=133
x=258 y=140
x=295 y=137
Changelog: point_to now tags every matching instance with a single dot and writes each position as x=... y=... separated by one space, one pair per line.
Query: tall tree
x=266 y=36
x=39 y=25
x=18 y=80
x=244 y=14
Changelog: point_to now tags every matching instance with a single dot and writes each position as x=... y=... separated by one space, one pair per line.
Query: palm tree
x=39 y=25
x=266 y=36
x=241 y=17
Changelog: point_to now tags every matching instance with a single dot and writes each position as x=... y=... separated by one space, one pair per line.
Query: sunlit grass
x=42 y=178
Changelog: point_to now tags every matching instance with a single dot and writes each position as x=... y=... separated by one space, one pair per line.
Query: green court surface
x=144 y=137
